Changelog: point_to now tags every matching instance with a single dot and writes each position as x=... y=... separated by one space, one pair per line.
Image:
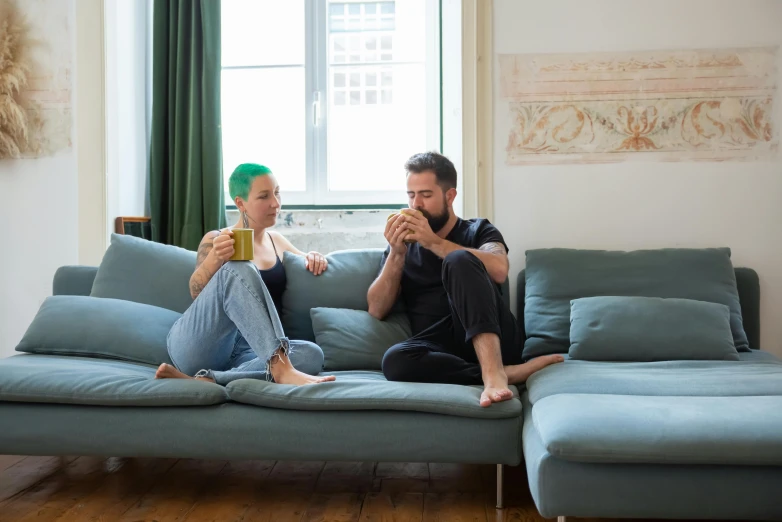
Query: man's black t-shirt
x=423 y=292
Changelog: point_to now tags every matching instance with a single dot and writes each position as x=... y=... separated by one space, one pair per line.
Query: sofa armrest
x=74 y=280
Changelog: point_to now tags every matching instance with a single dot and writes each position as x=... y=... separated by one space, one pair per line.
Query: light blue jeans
x=232 y=330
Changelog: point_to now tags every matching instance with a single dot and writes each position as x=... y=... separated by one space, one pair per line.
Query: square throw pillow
x=91 y=326
x=344 y=284
x=354 y=340
x=644 y=329
x=142 y=271
x=556 y=276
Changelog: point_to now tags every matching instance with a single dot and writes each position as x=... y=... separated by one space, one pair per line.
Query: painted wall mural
x=671 y=106
x=35 y=78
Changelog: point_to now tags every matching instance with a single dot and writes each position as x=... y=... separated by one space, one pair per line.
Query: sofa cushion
x=756 y=373
x=554 y=277
x=138 y=270
x=98 y=382
x=79 y=325
x=344 y=284
x=661 y=430
x=370 y=391
x=353 y=339
x=615 y=328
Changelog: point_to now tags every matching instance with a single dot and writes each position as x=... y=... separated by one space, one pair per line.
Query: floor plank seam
x=48 y=476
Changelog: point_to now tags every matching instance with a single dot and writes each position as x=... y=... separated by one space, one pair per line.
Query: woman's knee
x=242 y=269
x=306 y=357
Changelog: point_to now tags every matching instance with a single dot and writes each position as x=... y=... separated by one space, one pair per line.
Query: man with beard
x=463 y=332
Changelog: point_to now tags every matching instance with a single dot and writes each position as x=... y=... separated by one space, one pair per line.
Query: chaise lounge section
x=686 y=439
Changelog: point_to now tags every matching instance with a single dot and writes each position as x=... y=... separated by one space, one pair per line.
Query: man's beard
x=437 y=222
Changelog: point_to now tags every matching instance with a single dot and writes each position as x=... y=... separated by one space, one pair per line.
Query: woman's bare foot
x=519 y=373
x=166 y=371
x=283 y=372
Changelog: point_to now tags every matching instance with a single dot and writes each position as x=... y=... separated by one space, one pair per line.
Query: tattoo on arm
x=494 y=248
x=200 y=277
x=197 y=285
x=203 y=251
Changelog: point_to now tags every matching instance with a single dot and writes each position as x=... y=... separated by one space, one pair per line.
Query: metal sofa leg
x=561 y=519
x=500 y=474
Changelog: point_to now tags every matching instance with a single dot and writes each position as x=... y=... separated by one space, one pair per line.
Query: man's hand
x=396 y=230
x=422 y=232
x=383 y=292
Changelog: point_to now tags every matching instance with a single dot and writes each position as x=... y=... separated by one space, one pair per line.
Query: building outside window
x=333 y=96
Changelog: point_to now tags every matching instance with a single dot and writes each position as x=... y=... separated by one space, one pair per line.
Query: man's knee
x=460 y=261
x=396 y=363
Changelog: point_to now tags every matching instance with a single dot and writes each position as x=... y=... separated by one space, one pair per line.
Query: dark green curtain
x=186 y=166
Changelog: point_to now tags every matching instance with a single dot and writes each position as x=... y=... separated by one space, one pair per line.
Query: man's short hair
x=432 y=161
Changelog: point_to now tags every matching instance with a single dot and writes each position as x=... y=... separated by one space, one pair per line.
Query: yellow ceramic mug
x=243 y=244
x=407 y=239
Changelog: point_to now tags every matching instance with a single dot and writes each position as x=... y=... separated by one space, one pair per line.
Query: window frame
x=316 y=78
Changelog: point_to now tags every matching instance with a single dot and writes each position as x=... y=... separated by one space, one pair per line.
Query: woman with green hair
x=232 y=330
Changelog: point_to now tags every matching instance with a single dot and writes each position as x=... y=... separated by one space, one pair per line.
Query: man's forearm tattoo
x=493 y=248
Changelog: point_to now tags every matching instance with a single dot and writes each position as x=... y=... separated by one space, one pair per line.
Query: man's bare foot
x=495 y=389
x=166 y=371
x=495 y=393
x=519 y=373
x=283 y=372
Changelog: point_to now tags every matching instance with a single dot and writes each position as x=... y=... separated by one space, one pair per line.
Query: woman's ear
x=239 y=203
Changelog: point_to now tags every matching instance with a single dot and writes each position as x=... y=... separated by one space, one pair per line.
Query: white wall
x=49 y=206
x=642 y=204
x=39 y=208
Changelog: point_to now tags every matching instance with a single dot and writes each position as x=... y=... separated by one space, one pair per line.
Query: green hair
x=242 y=178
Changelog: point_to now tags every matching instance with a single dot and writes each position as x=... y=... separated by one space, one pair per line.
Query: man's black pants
x=444 y=353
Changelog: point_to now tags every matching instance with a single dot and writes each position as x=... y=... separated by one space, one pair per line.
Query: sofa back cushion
x=646 y=329
x=344 y=284
x=141 y=271
x=354 y=340
x=91 y=326
x=555 y=277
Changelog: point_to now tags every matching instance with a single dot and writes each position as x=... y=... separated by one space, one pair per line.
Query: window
x=333 y=96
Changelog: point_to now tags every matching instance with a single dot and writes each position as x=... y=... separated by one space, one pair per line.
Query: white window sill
x=329 y=230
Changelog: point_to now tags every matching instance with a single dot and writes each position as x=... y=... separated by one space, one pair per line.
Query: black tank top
x=275 y=279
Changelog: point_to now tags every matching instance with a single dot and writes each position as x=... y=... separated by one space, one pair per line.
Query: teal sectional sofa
x=688 y=438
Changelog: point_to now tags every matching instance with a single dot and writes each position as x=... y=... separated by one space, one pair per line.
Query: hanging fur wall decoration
x=14 y=72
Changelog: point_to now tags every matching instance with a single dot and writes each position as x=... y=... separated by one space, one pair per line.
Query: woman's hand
x=223 y=245
x=315 y=262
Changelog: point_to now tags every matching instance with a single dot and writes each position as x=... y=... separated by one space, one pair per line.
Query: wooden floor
x=162 y=490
